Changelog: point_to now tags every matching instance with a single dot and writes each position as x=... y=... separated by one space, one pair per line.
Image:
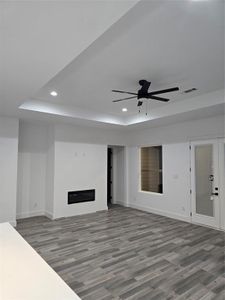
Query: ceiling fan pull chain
x=139 y=109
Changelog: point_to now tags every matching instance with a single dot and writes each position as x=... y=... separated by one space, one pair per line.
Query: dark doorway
x=109 y=177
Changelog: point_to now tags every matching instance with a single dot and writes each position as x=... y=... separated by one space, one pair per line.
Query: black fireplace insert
x=81 y=196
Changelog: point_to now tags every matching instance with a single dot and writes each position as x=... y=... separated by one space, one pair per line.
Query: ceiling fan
x=143 y=93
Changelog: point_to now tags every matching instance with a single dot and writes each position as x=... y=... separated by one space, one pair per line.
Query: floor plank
x=129 y=254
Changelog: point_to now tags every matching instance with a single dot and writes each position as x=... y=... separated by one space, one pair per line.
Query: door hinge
x=190 y=191
x=190 y=147
x=191 y=214
x=190 y=169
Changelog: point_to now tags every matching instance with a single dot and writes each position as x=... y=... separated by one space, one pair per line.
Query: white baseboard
x=34 y=214
x=170 y=215
x=161 y=212
x=29 y=214
x=121 y=203
x=132 y=205
x=49 y=215
x=208 y=226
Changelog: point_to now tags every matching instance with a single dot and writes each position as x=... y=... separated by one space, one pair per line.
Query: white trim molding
x=122 y=203
x=29 y=214
x=161 y=212
x=49 y=215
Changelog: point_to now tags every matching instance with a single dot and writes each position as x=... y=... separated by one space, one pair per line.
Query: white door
x=205 y=181
x=222 y=181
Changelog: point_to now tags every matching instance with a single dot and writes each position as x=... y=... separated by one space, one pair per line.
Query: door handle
x=211 y=177
x=215 y=194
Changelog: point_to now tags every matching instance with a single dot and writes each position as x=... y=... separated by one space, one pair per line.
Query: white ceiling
x=84 y=49
x=39 y=38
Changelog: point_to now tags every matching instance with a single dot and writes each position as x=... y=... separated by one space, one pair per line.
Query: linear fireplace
x=81 y=196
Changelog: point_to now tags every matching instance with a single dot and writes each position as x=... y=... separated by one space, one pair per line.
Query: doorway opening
x=109 y=176
x=116 y=189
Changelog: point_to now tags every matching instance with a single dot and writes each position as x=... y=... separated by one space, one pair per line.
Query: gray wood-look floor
x=129 y=254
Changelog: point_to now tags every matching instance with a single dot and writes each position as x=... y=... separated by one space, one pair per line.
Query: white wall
x=31 y=169
x=175 y=200
x=8 y=169
x=90 y=135
x=179 y=132
x=64 y=170
x=44 y=151
x=80 y=157
x=79 y=167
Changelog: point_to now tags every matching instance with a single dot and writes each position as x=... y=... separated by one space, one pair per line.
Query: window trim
x=139 y=170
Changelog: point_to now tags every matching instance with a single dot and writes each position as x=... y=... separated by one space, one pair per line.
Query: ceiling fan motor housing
x=143 y=92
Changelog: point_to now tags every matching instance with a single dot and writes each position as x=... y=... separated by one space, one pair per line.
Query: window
x=151 y=169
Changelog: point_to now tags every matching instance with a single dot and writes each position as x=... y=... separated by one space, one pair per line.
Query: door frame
x=198 y=218
x=222 y=181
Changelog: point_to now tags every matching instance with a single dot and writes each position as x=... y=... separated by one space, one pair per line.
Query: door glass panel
x=204 y=179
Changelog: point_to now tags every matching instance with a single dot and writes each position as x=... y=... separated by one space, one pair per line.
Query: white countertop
x=24 y=275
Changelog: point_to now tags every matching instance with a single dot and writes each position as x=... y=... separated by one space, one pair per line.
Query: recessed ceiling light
x=54 y=93
x=124 y=109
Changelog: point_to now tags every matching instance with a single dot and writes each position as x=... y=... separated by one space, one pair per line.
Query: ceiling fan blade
x=123 y=92
x=158 y=98
x=164 y=91
x=124 y=99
